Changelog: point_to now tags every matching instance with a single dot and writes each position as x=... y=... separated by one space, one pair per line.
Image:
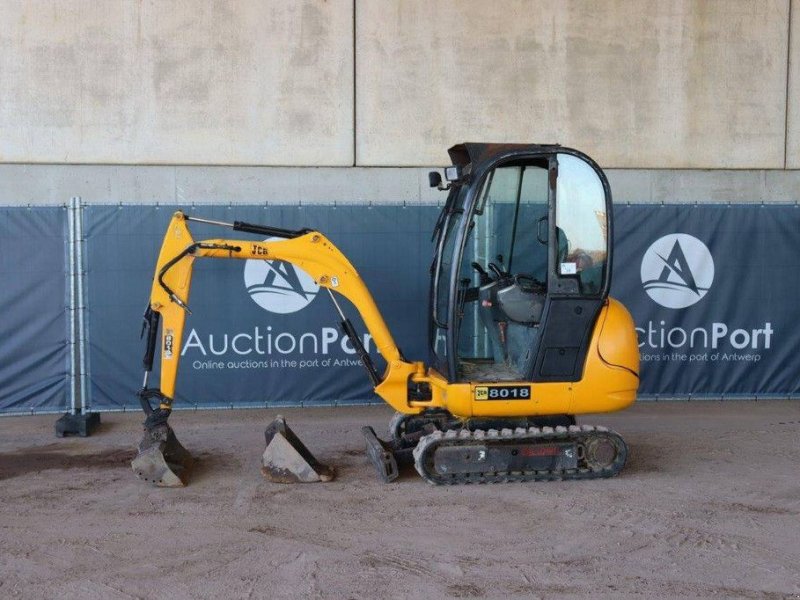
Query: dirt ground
x=707 y=507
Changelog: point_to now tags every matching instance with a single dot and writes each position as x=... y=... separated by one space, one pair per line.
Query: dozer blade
x=287 y=460
x=162 y=459
x=381 y=455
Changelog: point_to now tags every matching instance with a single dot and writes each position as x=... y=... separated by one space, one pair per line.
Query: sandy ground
x=707 y=507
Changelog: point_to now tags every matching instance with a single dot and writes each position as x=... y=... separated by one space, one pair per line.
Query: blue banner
x=34 y=330
x=712 y=289
x=261 y=333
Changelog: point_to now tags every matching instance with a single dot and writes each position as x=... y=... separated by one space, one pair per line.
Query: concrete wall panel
x=177 y=81
x=647 y=84
x=36 y=185
x=793 y=120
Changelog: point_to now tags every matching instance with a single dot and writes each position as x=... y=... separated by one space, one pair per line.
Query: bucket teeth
x=287 y=460
x=162 y=460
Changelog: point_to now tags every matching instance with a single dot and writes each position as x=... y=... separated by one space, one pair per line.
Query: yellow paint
x=609 y=381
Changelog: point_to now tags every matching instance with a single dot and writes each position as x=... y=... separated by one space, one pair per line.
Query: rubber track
x=423 y=453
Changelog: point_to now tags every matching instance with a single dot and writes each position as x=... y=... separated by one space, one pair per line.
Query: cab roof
x=478 y=152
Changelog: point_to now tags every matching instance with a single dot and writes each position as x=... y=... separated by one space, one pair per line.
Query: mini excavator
x=523 y=334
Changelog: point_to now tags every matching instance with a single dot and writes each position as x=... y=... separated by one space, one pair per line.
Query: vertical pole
x=79 y=239
x=73 y=379
x=77 y=421
x=477 y=349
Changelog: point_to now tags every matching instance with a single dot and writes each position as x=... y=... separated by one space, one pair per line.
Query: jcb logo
x=482 y=393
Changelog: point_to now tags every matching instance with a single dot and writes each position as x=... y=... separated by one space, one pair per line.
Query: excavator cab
x=521 y=267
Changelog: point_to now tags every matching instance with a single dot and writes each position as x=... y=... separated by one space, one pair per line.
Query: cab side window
x=581 y=224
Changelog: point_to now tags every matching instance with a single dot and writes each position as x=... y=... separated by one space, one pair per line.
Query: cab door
x=502 y=278
x=523 y=270
x=579 y=266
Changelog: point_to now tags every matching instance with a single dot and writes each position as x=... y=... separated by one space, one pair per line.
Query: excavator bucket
x=381 y=455
x=162 y=459
x=287 y=460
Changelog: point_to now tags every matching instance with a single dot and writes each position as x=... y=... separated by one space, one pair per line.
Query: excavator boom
x=309 y=250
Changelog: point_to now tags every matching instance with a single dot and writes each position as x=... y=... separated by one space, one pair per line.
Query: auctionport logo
x=677 y=270
x=278 y=286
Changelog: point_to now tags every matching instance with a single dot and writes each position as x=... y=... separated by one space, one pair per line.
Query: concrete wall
x=132 y=184
x=793 y=118
x=646 y=84
x=177 y=81
x=130 y=100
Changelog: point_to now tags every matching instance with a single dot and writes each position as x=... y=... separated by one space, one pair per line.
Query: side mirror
x=434 y=179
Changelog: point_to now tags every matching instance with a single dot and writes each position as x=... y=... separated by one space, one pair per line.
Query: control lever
x=496 y=270
x=484 y=276
x=479 y=268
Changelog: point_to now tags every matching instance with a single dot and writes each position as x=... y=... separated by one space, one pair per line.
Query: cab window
x=581 y=225
x=503 y=275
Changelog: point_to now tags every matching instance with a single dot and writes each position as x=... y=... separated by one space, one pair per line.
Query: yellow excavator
x=523 y=334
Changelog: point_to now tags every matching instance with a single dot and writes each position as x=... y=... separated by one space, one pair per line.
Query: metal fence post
x=73 y=375
x=78 y=420
x=82 y=326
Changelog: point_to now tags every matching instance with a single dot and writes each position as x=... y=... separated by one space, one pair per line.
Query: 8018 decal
x=503 y=392
x=169 y=342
